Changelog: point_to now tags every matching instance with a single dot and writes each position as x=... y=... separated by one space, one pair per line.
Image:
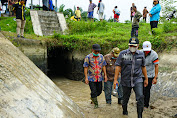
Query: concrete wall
x=35 y=50
x=26 y=92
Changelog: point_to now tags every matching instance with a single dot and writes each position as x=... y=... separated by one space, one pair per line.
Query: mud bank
x=79 y=92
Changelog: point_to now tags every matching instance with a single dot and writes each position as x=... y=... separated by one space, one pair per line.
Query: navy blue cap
x=133 y=41
x=96 y=47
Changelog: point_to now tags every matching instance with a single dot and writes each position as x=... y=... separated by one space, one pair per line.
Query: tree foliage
x=168 y=7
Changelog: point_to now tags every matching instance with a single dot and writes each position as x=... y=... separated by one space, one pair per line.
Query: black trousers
x=96 y=88
x=138 y=89
x=131 y=18
x=144 y=18
x=134 y=32
x=153 y=24
x=45 y=8
x=147 y=93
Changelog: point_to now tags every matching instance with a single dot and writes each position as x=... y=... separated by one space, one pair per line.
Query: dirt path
x=79 y=93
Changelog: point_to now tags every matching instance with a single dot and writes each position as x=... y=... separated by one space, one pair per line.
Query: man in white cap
x=151 y=62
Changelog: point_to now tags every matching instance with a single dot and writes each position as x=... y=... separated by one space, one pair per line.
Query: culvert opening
x=58 y=62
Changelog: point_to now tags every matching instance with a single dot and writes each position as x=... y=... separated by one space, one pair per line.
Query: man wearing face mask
x=19 y=7
x=94 y=65
x=110 y=70
x=155 y=14
x=131 y=65
x=151 y=62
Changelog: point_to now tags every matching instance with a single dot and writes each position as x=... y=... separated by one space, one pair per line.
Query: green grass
x=82 y=35
x=108 y=34
x=8 y=24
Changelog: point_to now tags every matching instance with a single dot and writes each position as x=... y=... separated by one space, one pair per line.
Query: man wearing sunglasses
x=155 y=14
x=94 y=65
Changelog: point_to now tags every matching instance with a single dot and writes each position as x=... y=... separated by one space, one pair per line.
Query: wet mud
x=79 y=92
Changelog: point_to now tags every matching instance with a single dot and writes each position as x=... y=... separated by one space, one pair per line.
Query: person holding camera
x=155 y=14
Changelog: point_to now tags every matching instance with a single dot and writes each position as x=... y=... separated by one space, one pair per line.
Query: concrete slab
x=62 y=22
x=36 y=23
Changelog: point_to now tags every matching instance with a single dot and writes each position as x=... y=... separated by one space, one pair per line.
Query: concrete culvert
x=26 y=92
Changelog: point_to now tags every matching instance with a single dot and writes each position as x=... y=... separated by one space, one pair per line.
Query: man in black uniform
x=19 y=8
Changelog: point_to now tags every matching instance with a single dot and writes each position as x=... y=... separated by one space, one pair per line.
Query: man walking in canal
x=151 y=62
x=91 y=10
x=155 y=14
x=131 y=65
x=135 y=23
x=94 y=65
x=110 y=70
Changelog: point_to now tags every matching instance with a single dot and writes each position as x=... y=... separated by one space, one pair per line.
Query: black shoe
x=18 y=36
x=125 y=112
x=175 y=116
x=22 y=37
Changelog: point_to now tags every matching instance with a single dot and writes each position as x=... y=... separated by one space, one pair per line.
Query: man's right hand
x=115 y=82
x=146 y=83
x=86 y=81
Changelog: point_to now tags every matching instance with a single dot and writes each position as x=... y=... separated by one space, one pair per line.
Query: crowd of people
x=17 y=7
x=135 y=15
x=116 y=12
x=129 y=69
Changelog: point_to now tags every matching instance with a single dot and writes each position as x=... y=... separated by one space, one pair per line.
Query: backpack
x=117 y=12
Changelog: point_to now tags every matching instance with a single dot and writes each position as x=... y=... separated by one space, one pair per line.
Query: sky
x=123 y=6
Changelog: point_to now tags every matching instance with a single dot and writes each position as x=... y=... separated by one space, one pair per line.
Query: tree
x=61 y=8
x=168 y=7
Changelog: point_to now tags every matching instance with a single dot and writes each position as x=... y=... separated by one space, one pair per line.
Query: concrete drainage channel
x=53 y=61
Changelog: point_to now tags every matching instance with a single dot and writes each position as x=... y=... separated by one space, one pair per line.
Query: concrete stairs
x=48 y=22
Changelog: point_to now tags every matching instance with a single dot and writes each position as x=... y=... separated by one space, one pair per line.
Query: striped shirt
x=150 y=60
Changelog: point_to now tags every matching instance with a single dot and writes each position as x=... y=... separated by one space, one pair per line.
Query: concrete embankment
x=26 y=92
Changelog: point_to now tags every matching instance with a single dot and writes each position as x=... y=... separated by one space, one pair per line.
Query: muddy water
x=80 y=94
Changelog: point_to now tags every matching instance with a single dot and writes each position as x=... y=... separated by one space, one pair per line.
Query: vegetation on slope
x=81 y=35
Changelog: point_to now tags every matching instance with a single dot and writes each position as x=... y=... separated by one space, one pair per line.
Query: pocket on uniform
x=139 y=59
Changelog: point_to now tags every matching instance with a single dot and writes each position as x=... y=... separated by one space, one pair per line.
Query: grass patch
x=82 y=35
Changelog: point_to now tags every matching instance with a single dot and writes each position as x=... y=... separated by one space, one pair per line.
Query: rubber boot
x=95 y=102
x=125 y=112
x=91 y=101
x=139 y=111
